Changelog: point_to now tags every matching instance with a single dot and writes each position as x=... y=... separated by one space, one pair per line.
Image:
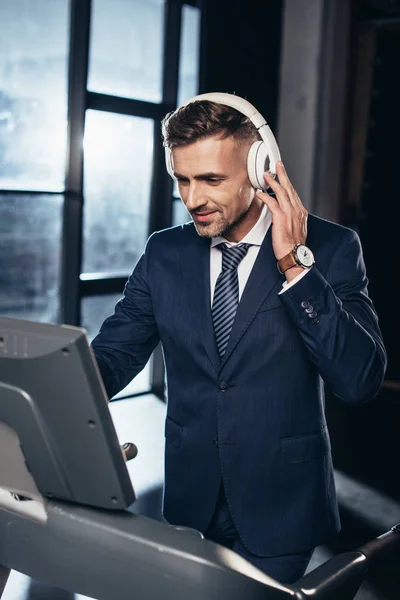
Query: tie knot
x=232 y=255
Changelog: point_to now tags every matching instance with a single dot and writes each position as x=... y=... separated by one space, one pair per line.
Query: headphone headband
x=262 y=154
x=240 y=104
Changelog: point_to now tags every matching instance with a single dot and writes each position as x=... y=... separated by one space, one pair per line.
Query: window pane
x=179 y=213
x=190 y=48
x=33 y=96
x=126 y=48
x=95 y=309
x=118 y=168
x=30 y=248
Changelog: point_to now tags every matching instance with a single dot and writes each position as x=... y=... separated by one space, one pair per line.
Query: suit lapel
x=262 y=280
x=195 y=261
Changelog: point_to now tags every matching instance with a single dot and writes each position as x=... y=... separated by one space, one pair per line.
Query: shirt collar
x=255 y=236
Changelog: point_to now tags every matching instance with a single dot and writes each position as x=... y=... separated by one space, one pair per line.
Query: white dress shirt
x=255 y=237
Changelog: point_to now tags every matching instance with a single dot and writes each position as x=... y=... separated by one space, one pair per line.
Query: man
x=247 y=346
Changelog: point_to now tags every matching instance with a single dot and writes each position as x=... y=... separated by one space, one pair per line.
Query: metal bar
x=391 y=385
x=382 y=547
x=160 y=213
x=172 y=43
x=103 y=275
x=125 y=106
x=73 y=205
x=15 y=192
x=100 y=287
x=161 y=191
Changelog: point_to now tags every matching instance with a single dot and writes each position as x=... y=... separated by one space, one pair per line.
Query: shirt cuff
x=287 y=285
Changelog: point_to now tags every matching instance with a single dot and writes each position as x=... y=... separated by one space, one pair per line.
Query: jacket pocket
x=304 y=448
x=173 y=432
x=272 y=302
x=268 y=307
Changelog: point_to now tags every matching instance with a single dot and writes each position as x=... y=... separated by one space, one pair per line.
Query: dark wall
x=241 y=54
x=380 y=199
x=372 y=172
x=241 y=51
x=365 y=439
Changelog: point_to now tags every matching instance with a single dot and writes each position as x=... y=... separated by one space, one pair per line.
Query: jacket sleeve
x=338 y=324
x=128 y=337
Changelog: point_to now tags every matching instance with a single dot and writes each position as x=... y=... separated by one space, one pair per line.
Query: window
x=33 y=47
x=94 y=310
x=190 y=46
x=33 y=118
x=188 y=85
x=30 y=250
x=126 y=48
x=118 y=153
x=78 y=200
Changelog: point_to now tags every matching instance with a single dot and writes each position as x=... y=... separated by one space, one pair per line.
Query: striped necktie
x=226 y=294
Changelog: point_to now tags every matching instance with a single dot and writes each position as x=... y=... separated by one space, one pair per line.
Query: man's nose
x=195 y=198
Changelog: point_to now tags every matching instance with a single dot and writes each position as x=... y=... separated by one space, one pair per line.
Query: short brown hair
x=202 y=119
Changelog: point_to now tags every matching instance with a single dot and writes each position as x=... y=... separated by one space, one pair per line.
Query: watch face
x=305 y=256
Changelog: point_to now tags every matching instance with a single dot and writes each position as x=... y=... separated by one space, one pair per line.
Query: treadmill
x=66 y=514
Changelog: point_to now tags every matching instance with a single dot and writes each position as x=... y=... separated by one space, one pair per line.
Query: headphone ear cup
x=258 y=164
x=168 y=162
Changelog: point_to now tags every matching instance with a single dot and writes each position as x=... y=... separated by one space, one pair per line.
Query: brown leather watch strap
x=287 y=262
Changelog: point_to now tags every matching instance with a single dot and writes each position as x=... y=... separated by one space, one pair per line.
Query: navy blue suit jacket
x=255 y=419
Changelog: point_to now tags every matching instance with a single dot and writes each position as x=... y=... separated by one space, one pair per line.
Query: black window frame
x=74 y=286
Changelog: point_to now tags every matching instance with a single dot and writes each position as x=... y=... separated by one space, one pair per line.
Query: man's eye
x=211 y=180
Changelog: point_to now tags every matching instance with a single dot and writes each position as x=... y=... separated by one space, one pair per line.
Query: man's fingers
x=287 y=185
x=283 y=176
x=271 y=202
x=281 y=194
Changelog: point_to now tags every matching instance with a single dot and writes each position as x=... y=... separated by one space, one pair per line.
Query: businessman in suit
x=258 y=305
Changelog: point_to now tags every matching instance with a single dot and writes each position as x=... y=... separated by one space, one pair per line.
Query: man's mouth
x=203 y=216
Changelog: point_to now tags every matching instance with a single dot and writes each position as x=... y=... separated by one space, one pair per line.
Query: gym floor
x=365 y=512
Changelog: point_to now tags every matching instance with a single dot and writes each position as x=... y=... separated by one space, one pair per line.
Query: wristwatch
x=300 y=256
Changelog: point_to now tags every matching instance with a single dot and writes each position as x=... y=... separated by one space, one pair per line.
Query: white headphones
x=263 y=154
